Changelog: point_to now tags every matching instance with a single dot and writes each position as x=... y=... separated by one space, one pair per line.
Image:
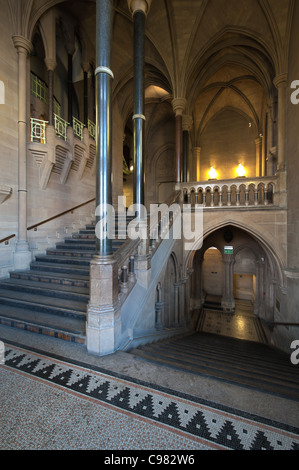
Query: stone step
x=51 y=297
x=70 y=253
x=44 y=303
x=56 y=279
x=88 y=245
x=244 y=363
x=52 y=290
x=269 y=368
x=65 y=260
x=65 y=328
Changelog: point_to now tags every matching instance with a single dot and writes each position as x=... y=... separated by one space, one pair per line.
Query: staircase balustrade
x=231 y=193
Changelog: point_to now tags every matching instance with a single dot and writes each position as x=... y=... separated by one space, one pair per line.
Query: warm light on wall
x=241 y=171
x=213 y=173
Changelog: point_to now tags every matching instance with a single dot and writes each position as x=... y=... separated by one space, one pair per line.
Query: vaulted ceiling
x=214 y=53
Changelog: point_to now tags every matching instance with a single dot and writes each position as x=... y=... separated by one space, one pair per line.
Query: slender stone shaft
x=104 y=78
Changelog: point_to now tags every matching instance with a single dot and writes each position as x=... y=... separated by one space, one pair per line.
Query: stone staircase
x=239 y=362
x=51 y=297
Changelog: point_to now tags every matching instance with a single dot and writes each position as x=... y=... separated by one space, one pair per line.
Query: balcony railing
x=38 y=130
x=60 y=127
x=230 y=193
x=39 y=88
x=78 y=128
x=92 y=129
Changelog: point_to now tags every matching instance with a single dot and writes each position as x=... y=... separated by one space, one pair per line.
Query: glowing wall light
x=241 y=172
x=212 y=173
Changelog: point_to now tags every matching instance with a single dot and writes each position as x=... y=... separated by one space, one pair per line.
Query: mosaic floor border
x=218 y=426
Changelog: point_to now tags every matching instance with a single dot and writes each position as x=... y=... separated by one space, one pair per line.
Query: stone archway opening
x=234 y=278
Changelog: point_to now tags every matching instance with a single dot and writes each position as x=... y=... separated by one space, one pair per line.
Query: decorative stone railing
x=125 y=259
x=232 y=193
x=119 y=273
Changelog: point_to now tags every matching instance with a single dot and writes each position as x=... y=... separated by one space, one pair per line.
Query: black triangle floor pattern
x=215 y=425
x=241 y=362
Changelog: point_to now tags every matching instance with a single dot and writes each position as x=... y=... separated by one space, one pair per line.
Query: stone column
x=176 y=288
x=139 y=10
x=259 y=295
x=22 y=256
x=281 y=84
x=187 y=126
x=196 y=158
x=178 y=105
x=103 y=327
x=228 y=301
x=70 y=85
x=51 y=65
x=85 y=67
x=259 y=152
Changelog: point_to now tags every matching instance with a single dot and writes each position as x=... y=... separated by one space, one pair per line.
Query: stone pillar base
x=22 y=256
x=228 y=306
x=103 y=329
x=103 y=326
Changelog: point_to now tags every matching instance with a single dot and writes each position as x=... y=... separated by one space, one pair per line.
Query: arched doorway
x=213 y=275
x=235 y=277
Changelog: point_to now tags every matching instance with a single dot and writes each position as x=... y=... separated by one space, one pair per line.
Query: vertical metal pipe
x=104 y=78
x=139 y=100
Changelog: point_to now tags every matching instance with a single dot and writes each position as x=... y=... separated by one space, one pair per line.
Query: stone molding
x=187 y=123
x=22 y=43
x=50 y=63
x=178 y=106
x=280 y=80
x=139 y=5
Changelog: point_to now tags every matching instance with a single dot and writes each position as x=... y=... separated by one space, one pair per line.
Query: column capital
x=22 y=43
x=50 y=64
x=281 y=80
x=139 y=5
x=178 y=106
x=85 y=66
x=187 y=122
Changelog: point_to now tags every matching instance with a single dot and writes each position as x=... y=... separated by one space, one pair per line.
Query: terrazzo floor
x=53 y=396
x=49 y=404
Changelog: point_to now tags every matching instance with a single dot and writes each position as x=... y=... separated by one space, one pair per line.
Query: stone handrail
x=132 y=250
x=259 y=191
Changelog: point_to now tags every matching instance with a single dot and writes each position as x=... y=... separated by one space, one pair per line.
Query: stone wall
x=8 y=134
